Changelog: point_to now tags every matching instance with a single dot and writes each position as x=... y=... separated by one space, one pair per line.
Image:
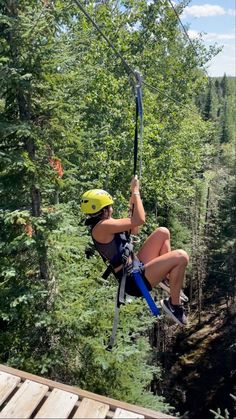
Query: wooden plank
x=91 y=409
x=59 y=404
x=24 y=401
x=148 y=413
x=7 y=384
x=125 y=414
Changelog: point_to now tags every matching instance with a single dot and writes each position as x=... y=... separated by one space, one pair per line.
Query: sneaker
x=164 y=284
x=176 y=312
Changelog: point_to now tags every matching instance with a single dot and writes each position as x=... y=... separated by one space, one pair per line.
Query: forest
x=67 y=121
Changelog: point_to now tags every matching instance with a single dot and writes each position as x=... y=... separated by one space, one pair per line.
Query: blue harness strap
x=120 y=299
x=142 y=286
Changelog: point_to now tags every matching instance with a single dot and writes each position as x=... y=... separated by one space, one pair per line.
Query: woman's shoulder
x=107 y=228
x=100 y=233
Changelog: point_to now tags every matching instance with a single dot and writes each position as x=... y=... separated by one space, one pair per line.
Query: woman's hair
x=93 y=219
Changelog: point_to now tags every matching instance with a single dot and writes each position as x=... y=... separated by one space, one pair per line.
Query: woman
x=158 y=260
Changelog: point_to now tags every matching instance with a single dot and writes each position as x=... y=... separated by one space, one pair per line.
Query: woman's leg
x=173 y=263
x=157 y=244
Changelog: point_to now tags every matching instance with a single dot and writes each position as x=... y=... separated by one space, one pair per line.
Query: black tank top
x=112 y=251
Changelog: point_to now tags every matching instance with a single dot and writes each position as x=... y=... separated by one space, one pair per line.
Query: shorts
x=130 y=286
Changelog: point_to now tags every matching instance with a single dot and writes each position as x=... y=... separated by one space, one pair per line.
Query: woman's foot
x=176 y=312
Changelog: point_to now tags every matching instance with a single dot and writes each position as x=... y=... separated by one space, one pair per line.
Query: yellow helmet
x=94 y=200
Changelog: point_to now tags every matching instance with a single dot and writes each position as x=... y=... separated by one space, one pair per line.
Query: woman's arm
x=107 y=227
x=105 y=230
x=135 y=230
x=137 y=210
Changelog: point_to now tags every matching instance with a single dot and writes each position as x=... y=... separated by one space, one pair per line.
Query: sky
x=216 y=20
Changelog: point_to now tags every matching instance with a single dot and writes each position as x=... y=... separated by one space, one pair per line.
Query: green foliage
x=219 y=217
x=66 y=97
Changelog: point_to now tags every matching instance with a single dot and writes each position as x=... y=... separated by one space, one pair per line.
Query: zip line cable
x=128 y=68
x=126 y=65
x=137 y=89
x=186 y=33
x=183 y=27
x=156 y=90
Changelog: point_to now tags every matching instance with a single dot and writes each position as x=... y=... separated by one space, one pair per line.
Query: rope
x=136 y=138
x=138 y=116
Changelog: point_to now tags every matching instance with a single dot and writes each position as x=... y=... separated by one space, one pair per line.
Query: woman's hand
x=134 y=185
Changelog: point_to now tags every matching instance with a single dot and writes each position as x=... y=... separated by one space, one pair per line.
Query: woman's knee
x=164 y=232
x=182 y=256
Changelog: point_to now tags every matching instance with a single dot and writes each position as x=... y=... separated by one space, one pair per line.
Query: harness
x=133 y=269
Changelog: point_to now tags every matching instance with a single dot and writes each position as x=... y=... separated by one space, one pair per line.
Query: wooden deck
x=24 y=395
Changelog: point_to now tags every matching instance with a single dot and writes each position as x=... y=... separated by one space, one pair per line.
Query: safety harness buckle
x=127 y=252
x=137 y=266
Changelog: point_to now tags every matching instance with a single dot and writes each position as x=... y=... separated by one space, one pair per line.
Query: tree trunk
x=23 y=100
